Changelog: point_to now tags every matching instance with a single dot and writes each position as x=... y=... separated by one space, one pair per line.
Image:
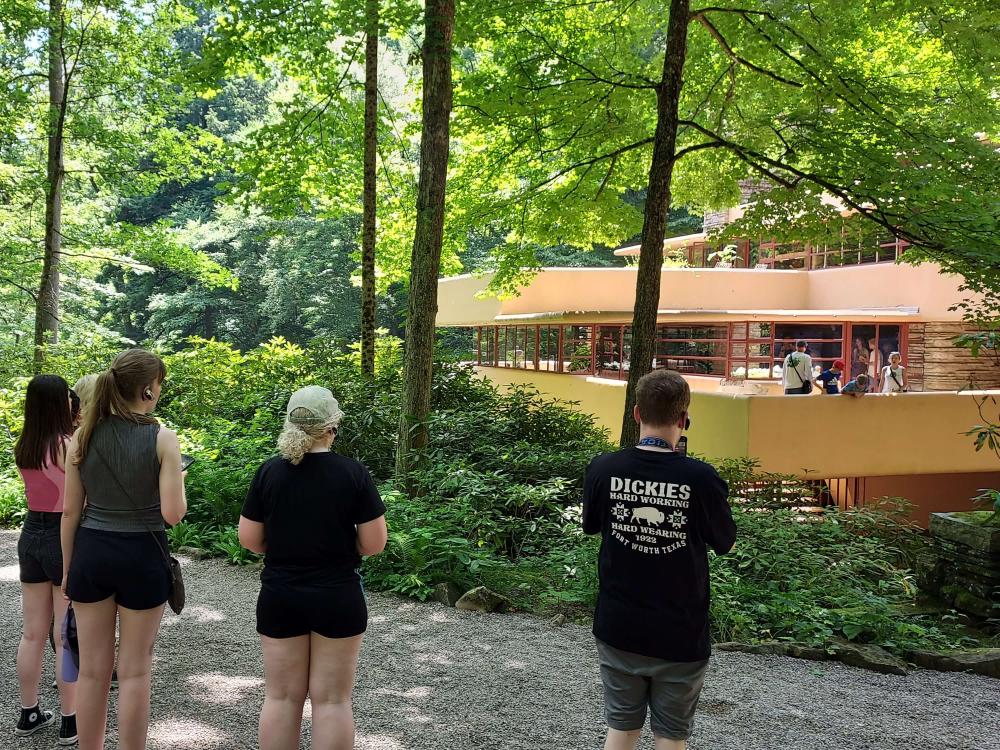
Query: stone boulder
x=984 y=661
x=868 y=656
x=447 y=594
x=481 y=599
x=776 y=648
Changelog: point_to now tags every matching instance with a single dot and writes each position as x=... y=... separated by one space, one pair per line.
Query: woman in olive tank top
x=123 y=481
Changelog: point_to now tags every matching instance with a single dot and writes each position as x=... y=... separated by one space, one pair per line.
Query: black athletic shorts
x=126 y=565
x=39 y=548
x=334 y=611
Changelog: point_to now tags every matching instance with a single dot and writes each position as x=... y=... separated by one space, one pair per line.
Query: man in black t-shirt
x=658 y=513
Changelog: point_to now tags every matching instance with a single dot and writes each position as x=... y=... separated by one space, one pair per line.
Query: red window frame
x=610 y=346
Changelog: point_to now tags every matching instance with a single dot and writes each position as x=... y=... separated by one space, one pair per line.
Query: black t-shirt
x=309 y=514
x=657 y=512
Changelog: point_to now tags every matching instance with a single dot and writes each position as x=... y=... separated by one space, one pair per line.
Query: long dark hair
x=129 y=374
x=47 y=423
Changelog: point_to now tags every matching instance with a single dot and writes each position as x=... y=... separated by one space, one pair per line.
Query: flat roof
x=669 y=242
x=844 y=313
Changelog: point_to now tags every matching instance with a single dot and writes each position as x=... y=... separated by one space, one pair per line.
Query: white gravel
x=433 y=677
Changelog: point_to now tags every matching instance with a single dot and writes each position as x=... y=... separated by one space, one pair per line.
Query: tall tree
x=368 y=199
x=880 y=110
x=425 y=261
x=303 y=157
x=47 y=301
x=647 y=285
x=95 y=81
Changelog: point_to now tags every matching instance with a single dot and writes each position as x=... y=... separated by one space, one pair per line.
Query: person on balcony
x=829 y=379
x=857 y=387
x=797 y=371
x=859 y=358
x=893 y=375
x=658 y=512
x=874 y=363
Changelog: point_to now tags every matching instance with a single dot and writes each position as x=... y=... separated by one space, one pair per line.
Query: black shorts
x=128 y=566
x=39 y=548
x=335 y=611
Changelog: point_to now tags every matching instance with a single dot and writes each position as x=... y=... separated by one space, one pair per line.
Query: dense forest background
x=196 y=169
x=241 y=185
x=274 y=255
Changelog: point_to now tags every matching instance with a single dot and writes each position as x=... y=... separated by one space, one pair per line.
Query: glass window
x=576 y=349
x=548 y=348
x=609 y=351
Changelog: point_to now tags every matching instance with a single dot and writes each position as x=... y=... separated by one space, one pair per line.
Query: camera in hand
x=682 y=445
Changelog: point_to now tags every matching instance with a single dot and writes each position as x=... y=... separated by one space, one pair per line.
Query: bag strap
x=893 y=376
x=166 y=555
x=795 y=369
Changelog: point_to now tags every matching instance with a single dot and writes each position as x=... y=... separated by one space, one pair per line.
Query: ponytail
x=294 y=442
x=115 y=388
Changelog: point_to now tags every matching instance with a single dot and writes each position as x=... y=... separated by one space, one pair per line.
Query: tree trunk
x=47 y=302
x=439 y=21
x=647 y=286
x=368 y=210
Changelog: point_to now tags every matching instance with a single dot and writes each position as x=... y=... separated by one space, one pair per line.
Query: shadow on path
x=433 y=677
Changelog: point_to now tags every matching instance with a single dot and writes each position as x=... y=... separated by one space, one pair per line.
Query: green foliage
x=811 y=581
x=990 y=500
x=499 y=496
x=13 y=507
x=120 y=64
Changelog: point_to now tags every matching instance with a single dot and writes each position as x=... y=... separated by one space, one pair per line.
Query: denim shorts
x=633 y=682
x=39 y=549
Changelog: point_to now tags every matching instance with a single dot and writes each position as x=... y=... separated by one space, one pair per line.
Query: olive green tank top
x=123 y=489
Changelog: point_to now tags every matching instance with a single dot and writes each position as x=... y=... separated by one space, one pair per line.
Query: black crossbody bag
x=177 y=597
x=806 y=386
x=893 y=376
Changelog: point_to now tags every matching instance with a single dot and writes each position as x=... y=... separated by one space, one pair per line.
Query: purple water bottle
x=71 y=647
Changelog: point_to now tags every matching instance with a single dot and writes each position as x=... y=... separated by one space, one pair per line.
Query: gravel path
x=433 y=677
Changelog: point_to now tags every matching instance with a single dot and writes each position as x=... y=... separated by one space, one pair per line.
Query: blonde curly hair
x=312 y=413
x=296 y=440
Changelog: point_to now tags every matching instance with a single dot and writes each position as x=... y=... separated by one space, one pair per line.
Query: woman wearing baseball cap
x=313 y=514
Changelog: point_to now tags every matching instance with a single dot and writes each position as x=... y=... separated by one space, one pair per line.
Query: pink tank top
x=45 y=488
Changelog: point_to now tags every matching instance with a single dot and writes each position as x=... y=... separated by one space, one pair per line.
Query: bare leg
x=621 y=740
x=95 y=627
x=135 y=665
x=662 y=743
x=286 y=677
x=333 y=663
x=36 y=608
x=67 y=690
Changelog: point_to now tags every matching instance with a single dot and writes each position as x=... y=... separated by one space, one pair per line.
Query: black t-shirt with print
x=309 y=514
x=657 y=512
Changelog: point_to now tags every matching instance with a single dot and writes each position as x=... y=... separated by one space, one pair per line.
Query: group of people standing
x=798 y=375
x=94 y=543
x=99 y=497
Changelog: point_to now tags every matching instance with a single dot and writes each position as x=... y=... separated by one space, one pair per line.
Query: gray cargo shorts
x=632 y=682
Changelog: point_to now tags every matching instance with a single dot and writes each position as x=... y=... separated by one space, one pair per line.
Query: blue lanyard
x=655 y=442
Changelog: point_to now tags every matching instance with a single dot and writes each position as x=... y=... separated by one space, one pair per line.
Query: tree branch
x=731 y=53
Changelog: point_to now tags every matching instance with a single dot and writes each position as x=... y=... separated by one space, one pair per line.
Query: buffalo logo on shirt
x=649 y=516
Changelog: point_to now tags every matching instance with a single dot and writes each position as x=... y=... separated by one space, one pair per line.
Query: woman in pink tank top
x=40 y=455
